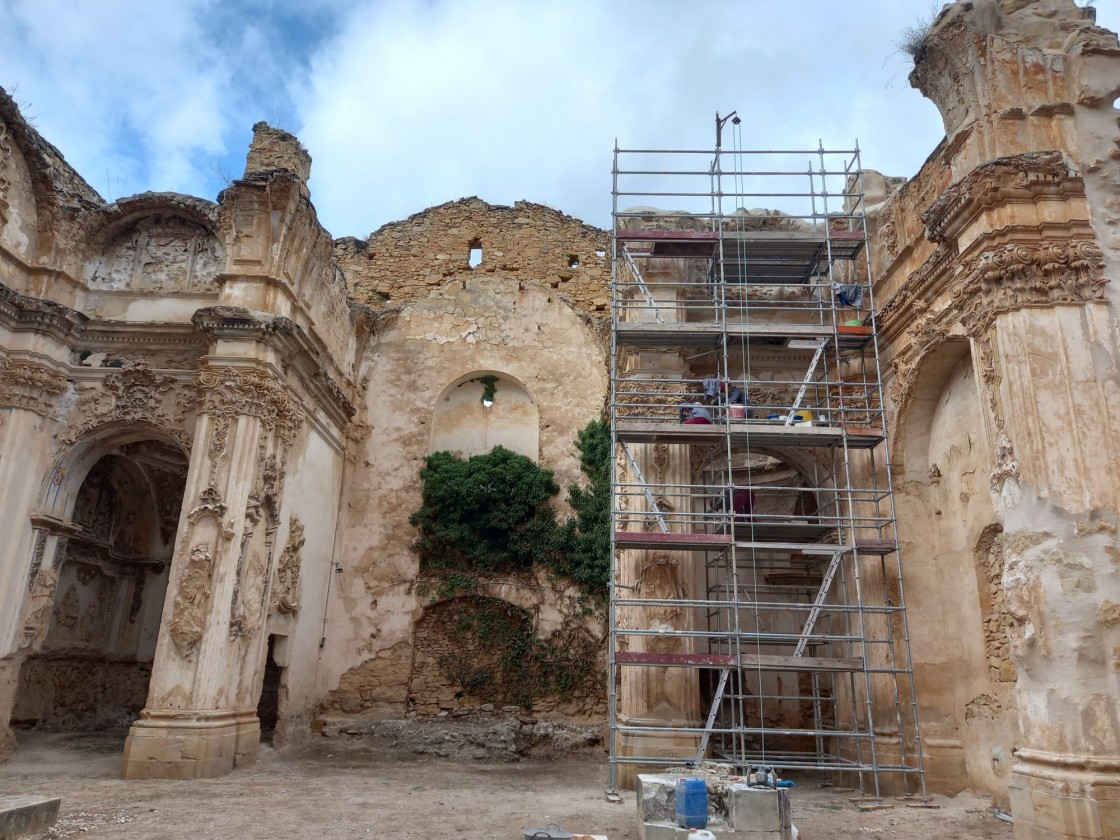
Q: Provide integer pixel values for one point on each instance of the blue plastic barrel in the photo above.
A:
(692, 803)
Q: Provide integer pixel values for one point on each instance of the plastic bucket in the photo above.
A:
(736, 412)
(692, 803)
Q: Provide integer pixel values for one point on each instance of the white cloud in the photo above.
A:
(408, 103)
(414, 104)
(113, 78)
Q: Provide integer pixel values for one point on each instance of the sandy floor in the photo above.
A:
(337, 790)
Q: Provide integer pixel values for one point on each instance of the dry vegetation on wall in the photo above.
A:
(485, 518)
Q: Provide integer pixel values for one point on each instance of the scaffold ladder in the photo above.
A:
(808, 379)
(717, 698)
(641, 283)
(654, 509)
(818, 602)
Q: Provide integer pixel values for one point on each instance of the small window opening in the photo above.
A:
(573, 261)
(475, 258)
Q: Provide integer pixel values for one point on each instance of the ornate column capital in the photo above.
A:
(232, 392)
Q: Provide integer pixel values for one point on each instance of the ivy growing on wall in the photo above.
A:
(505, 663)
(490, 514)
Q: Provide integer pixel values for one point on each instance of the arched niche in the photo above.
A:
(920, 404)
(18, 210)
(158, 252)
(482, 410)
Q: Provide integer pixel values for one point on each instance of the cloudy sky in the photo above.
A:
(408, 103)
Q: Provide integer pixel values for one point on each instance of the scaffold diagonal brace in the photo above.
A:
(645, 489)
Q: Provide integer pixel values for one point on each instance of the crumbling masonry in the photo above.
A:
(212, 416)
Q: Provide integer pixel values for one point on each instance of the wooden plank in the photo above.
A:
(799, 663)
(722, 660)
(654, 539)
(746, 660)
(880, 547)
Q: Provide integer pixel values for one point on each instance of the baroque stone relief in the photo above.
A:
(998, 280)
(32, 386)
(286, 589)
(192, 597)
(230, 393)
(161, 253)
(40, 601)
(133, 395)
(5, 178)
(1018, 276)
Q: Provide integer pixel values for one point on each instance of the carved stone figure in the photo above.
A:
(192, 597)
(286, 589)
(40, 601)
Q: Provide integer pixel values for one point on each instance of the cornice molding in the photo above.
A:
(291, 341)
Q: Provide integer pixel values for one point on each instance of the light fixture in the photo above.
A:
(487, 403)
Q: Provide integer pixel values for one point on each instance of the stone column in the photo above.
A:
(200, 719)
(658, 696)
(1057, 373)
(29, 392)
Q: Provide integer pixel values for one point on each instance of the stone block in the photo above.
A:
(759, 810)
(656, 796)
(22, 815)
(659, 831)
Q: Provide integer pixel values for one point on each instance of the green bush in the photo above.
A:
(489, 514)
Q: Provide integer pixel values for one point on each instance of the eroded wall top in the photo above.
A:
(402, 262)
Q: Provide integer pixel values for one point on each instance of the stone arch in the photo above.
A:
(158, 244)
(484, 409)
(19, 216)
(105, 533)
(918, 395)
(59, 488)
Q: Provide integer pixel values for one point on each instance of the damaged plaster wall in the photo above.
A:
(518, 328)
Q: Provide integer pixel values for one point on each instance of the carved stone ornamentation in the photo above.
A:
(230, 393)
(37, 557)
(209, 504)
(889, 237)
(5, 181)
(191, 599)
(1014, 277)
(650, 399)
(32, 386)
(1006, 464)
(286, 589)
(134, 394)
(137, 393)
(40, 601)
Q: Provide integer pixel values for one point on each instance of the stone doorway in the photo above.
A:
(92, 669)
(268, 706)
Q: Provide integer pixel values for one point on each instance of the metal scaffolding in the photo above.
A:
(757, 609)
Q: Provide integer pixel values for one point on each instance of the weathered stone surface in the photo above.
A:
(1003, 367)
(402, 262)
(23, 815)
(306, 379)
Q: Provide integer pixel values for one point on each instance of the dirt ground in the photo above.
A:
(337, 789)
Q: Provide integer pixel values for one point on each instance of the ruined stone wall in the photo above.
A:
(403, 262)
(487, 323)
(995, 262)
